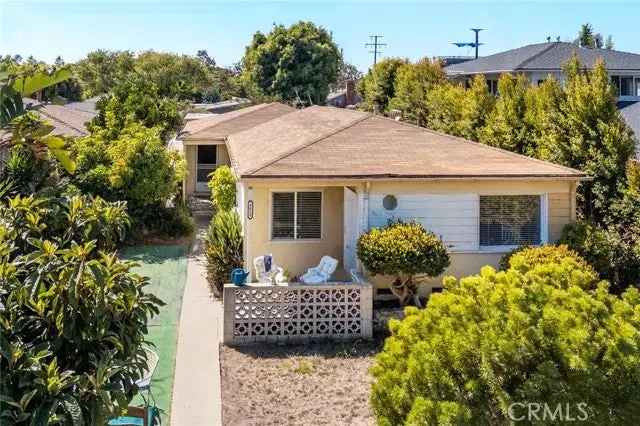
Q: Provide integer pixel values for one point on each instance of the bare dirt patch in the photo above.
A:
(315, 384)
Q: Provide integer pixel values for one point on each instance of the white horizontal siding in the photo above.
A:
(453, 217)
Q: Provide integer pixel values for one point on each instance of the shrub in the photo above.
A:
(498, 338)
(168, 222)
(223, 249)
(142, 170)
(403, 250)
(73, 318)
(616, 257)
(525, 258)
(138, 169)
(223, 188)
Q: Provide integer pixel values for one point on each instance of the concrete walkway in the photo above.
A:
(196, 387)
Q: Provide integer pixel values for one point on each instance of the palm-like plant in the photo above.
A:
(12, 88)
(223, 248)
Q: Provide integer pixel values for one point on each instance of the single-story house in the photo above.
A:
(202, 141)
(311, 181)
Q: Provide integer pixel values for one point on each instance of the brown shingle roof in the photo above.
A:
(220, 126)
(325, 142)
(66, 121)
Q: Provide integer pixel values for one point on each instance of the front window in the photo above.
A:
(509, 220)
(296, 215)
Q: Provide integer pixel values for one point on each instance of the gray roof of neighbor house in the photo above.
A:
(88, 105)
(66, 121)
(545, 57)
(326, 142)
(219, 126)
(630, 111)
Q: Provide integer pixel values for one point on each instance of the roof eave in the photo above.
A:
(421, 177)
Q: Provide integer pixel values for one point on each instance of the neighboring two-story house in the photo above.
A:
(538, 61)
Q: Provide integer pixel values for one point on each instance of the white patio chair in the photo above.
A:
(321, 273)
(274, 275)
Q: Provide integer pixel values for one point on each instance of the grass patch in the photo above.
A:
(166, 266)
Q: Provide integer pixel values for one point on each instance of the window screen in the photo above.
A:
(509, 220)
(283, 215)
(308, 214)
(296, 215)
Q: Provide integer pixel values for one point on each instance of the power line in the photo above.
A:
(376, 45)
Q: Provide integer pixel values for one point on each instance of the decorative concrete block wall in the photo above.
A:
(296, 312)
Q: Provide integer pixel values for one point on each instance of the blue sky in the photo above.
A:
(413, 29)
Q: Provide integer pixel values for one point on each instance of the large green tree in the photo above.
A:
(506, 126)
(412, 83)
(587, 37)
(378, 86)
(297, 63)
(589, 134)
(458, 111)
(543, 332)
(101, 70)
(175, 76)
(136, 100)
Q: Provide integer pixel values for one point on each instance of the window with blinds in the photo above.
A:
(510, 220)
(296, 215)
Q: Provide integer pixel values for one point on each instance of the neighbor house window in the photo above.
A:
(638, 86)
(509, 220)
(626, 86)
(296, 215)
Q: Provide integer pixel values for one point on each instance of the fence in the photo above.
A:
(296, 312)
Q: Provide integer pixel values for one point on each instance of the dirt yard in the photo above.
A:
(315, 384)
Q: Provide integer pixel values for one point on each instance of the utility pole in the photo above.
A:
(375, 44)
(476, 44)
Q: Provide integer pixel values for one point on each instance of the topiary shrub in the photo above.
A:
(223, 188)
(403, 250)
(500, 338)
(525, 258)
(223, 249)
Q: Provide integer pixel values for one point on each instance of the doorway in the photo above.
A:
(207, 162)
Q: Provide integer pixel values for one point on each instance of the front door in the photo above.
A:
(350, 229)
(207, 162)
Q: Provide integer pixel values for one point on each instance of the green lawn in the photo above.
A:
(166, 266)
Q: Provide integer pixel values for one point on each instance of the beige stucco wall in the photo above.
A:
(296, 256)
(191, 157)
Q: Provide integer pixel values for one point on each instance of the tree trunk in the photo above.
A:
(405, 291)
